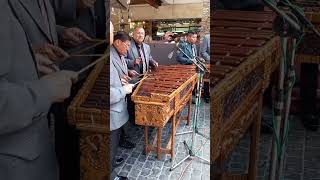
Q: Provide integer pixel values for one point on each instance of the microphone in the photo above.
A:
(282, 14)
(300, 15)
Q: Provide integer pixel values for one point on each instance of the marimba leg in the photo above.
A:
(159, 143)
(173, 135)
(146, 140)
(254, 143)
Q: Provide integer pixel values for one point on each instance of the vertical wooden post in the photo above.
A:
(173, 134)
(254, 142)
(146, 139)
(159, 143)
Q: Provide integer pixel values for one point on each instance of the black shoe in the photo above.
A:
(120, 178)
(125, 143)
(118, 162)
(310, 122)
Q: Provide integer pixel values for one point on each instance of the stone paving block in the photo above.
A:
(123, 174)
(134, 173)
(142, 178)
(142, 158)
(135, 154)
(175, 176)
(163, 177)
(145, 172)
(131, 160)
(140, 166)
(126, 168)
(158, 164)
(156, 172)
(148, 164)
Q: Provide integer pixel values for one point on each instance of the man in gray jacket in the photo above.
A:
(37, 18)
(139, 55)
(119, 88)
(26, 149)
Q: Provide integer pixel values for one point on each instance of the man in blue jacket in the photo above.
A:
(188, 49)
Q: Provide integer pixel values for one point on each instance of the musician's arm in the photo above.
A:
(182, 59)
(65, 10)
(152, 62)
(116, 94)
(130, 62)
(20, 102)
(204, 49)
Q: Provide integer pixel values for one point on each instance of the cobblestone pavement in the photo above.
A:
(302, 154)
(139, 166)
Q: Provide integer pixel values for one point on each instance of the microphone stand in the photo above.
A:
(307, 24)
(201, 70)
(287, 25)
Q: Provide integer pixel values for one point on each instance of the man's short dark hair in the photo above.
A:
(122, 36)
(191, 33)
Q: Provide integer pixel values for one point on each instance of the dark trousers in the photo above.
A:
(66, 144)
(124, 131)
(114, 143)
(308, 88)
(131, 109)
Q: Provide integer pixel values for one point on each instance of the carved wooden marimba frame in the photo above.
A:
(245, 53)
(89, 112)
(160, 96)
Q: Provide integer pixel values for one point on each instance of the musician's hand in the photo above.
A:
(50, 51)
(132, 73)
(154, 65)
(71, 37)
(45, 65)
(127, 78)
(124, 81)
(137, 61)
(128, 88)
(59, 85)
(82, 4)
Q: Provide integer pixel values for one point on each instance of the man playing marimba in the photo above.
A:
(119, 88)
(139, 55)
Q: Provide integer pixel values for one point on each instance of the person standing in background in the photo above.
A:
(205, 54)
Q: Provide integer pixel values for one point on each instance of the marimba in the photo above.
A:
(245, 52)
(161, 95)
(89, 112)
